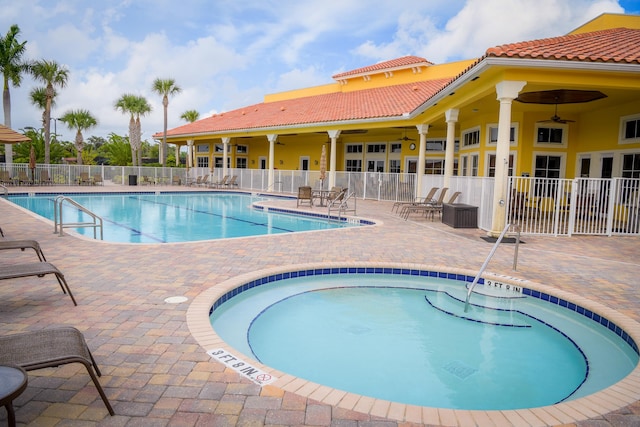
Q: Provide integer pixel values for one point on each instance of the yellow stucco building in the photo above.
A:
(561, 107)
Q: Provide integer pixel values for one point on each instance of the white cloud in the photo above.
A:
(481, 24)
(227, 54)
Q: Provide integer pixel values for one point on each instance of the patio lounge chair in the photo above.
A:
(36, 269)
(22, 245)
(175, 180)
(50, 348)
(23, 178)
(220, 183)
(84, 178)
(233, 182)
(97, 179)
(305, 195)
(5, 178)
(423, 208)
(45, 179)
(428, 199)
(437, 208)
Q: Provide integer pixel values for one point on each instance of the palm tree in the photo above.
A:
(52, 75)
(79, 120)
(12, 66)
(165, 88)
(38, 97)
(135, 106)
(190, 116)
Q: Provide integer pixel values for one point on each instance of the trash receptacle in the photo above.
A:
(133, 179)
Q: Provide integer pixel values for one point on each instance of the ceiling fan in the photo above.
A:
(406, 138)
(556, 119)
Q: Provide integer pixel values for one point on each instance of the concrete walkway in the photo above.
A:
(156, 374)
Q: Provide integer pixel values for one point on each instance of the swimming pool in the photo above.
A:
(545, 310)
(178, 217)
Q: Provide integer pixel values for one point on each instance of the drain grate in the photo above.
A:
(459, 369)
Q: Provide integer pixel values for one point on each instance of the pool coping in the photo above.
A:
(619, 395)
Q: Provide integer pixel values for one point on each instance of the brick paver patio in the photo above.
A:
(156, 374)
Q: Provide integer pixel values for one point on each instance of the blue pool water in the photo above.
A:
(175, 217)
(407, 339)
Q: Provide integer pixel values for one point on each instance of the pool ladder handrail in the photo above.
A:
(5, 190)
(58, 223)
(343, 206)
(486, 261)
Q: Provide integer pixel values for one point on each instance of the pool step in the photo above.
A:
(448, 304)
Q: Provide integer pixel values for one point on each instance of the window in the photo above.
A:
(218, 148)
(376, 148)
(242, 149)
(492, 165)
(202, 148)
(465, 165)
(375, 165)
(475, 161)
(471, 138)
(241, 162)
(396, 148)
(548, 166)
(436, 144)
(394, 166)
(354, 148)
(203, 162)
(434, 167)
(492, 134)
(547, 135)
(354, 165)
(631, 166)
(630, 129)
(440, 145)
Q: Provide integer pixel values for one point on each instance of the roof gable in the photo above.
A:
(404, 62)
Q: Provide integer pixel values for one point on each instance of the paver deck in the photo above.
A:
(156, 374)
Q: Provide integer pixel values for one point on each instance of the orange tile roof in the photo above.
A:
(614, 45)
(403, 62)
(618, 45)
(390, 101)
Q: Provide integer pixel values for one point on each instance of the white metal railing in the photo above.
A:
(59, 224)
(546, 206)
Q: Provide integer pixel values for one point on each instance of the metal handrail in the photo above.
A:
(59, 223)
(6, 190)
(343, 207)
(486, 261)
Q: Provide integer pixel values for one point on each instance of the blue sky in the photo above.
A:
(228, 53)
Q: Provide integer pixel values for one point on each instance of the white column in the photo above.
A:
(422, 131)
(333, 134)
(177, 155)
(225, 154)
(189, 153)
(451, 117)
(272, 143)
(507, 91)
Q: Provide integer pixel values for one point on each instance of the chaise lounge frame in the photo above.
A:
(50, 348)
